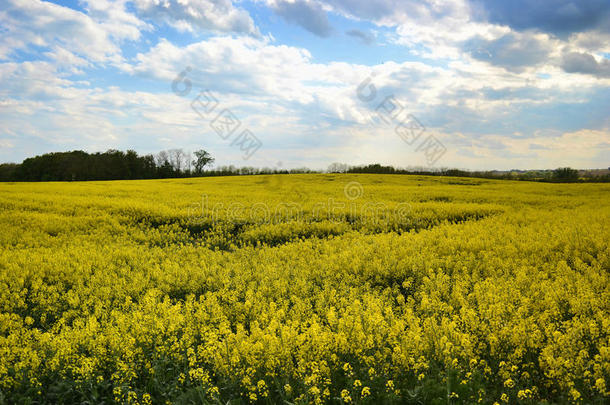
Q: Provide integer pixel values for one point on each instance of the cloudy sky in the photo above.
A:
(476, 84)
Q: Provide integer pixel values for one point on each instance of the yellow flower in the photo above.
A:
(600, 385)
(524, 394)
(345, 396)
(390, 385)
(261, 386)
(235, 301)
(575, 394)
(132, 397)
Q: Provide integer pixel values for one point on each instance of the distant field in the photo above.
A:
(305, 289)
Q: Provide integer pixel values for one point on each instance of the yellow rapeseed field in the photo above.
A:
(305, 289)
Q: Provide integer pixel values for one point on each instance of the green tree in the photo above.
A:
(565, 174)
(203, 158)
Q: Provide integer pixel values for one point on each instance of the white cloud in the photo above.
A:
(309, 14)
(113, 17)
(43, 24)
(326, 123)
(297, 106)
(192, 15)
(575, 62)
(6, 144)
(583, 148)
(257, 70)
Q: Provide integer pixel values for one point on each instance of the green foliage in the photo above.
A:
(110, 165)
(203, 158)
(565, 174)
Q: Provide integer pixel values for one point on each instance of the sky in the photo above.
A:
(471, 84)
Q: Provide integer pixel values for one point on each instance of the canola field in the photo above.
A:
(295, 289)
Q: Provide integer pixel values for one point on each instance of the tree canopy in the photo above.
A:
(110, 165)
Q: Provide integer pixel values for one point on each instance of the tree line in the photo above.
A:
(559, 175)
(118, 165)
(110, 165)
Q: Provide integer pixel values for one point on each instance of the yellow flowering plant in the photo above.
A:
(418, 290)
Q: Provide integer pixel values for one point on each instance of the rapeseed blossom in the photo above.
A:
(482, 292)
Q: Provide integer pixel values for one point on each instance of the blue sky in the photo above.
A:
(490, 84)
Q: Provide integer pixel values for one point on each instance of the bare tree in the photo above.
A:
(188, 161)
(162, 158)
(338, 168)
(178, 159)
